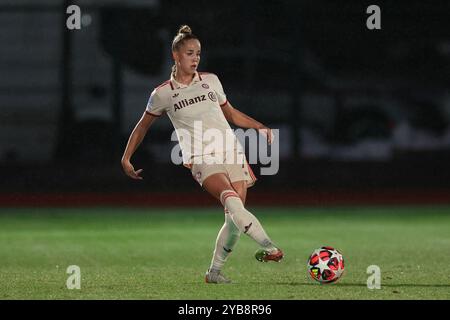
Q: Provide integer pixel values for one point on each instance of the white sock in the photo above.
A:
(226, 240)
(244, 220)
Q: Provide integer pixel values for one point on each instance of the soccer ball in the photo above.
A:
(326, 265)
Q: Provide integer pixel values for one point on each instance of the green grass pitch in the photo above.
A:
(128, 253)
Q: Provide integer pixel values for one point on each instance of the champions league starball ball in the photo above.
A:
(326, 265)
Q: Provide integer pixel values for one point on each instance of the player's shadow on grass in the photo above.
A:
(365, 285)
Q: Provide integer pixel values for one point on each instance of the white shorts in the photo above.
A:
(236, 170)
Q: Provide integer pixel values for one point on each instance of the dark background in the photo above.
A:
(363, 114)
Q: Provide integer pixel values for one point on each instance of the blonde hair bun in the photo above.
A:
(185, 29)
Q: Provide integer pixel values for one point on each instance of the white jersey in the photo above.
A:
(195, 112)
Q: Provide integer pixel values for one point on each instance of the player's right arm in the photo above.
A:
(157, 104)
(136, 137)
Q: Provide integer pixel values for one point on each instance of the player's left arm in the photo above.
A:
(242, 120)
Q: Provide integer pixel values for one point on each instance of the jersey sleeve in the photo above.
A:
(221, 96)
(156, 104)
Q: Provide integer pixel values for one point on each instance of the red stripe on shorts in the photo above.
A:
(251, 171)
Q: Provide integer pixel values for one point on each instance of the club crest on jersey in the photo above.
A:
(212, 96)
(205, 86)
(187, 102)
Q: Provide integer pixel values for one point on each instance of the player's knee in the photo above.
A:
(241, 190)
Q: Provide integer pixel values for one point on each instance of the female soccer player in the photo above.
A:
(196, 102)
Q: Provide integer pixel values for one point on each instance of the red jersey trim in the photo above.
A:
(163, 84)
(152, 114)
(223, 104)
